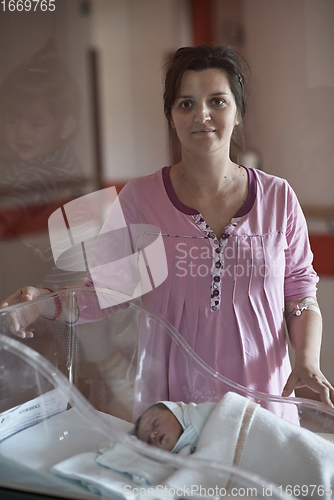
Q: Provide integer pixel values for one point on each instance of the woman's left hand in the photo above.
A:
(305, 333)
(312, 377)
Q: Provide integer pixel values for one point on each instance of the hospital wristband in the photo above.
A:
(306, 304)
(298, 309)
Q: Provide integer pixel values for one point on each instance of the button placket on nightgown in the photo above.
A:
(217, 264)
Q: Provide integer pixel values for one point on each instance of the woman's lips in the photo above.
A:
(204, 131)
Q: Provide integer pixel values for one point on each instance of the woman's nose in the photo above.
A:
(202, 114)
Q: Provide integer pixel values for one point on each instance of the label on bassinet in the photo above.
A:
(31, 413)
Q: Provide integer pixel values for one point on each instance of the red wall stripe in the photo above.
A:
(323, 250)
(202, 22)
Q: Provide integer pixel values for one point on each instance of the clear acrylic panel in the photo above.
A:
(78, 386)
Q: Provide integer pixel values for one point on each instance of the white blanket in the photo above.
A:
(115, 470)
(98, 480)
(238, 433)
(143, 471)
(241, 433)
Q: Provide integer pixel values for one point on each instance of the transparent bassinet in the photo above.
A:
(74, 388)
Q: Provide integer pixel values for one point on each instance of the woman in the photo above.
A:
(236, 244)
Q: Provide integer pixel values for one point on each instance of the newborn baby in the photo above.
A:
(240, 432)
(173, 426)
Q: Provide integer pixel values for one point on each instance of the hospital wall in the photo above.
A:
(289, 126)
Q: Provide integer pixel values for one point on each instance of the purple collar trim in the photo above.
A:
(246, 207)
(172, 195)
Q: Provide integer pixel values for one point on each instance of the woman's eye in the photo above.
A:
(186, 104)
(218, 101)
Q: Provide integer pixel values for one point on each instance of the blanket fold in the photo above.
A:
(121, 458)
(241, 433)
(98, 480)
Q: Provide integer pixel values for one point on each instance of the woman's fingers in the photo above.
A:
(318, 383)
(4, 304)
(326, 392)
(29, 293)
(291, 385)
(23, 334)
(19, 319)
(22, 295)
(17, 327)
(315, 380)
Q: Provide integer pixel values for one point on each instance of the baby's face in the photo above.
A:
(34, 132)
(160, 428)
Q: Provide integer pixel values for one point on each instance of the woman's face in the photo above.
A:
(205, 113)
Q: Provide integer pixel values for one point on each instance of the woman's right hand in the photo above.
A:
(19, 319)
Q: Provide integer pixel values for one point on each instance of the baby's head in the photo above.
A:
(159, 427)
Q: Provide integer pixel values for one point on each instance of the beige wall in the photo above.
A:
(290, 121)
(133, 39)
(290, 48)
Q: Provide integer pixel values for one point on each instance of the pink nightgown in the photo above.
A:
(225, 296)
